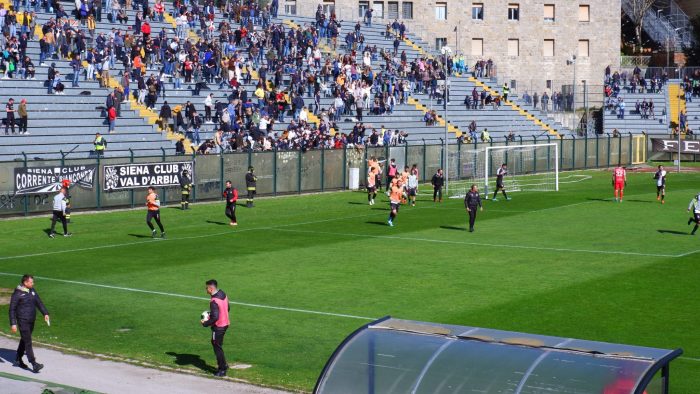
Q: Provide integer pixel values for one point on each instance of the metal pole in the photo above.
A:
(447, 126)
(573, 109)
(680, 89)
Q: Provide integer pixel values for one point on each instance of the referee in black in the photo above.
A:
(472, 201)
(23, 304)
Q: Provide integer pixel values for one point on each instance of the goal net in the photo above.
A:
(530, 168)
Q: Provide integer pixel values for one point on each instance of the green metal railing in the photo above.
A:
(293, 172)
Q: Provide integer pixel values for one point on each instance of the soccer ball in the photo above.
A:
(205, 315)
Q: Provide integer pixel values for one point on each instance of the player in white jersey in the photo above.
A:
(412, 188)
(660, 177)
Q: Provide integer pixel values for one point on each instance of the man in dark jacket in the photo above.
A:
(218, 321)
(23, 304)
(472, 201)
(165, 115)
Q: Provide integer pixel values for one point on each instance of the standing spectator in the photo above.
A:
(22, 112)
(208, 105)
(10, 116)
(111, 118)
(165, 115)
(23, 305)
(100, 144)
(76, 65)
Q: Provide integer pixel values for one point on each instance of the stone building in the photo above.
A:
(530, 41)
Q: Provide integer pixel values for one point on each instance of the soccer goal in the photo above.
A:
(533, 167)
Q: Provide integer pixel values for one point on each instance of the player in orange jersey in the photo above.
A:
(153, 207)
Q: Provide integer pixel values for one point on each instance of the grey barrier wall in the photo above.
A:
(288, 172)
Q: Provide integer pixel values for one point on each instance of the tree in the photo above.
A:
(639, 9)
(692, 53)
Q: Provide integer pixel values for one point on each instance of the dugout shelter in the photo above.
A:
(401, 356)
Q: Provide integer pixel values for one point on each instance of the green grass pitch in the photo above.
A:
(569, 263)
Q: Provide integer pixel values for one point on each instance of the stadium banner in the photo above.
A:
(30, 180)
(142, 175)
(671, 146)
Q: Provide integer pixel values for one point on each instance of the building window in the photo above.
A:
(393, 10)
(513, 12)
(549, 84)
(328, 7)
(364, 6)
(584, 13)
(440, 42)
(477, 47)
(549, 12)
(378, 7)
(441, 11)
(407, 10)
(290, 7)
(584, 47)
(548, 48)
(513, 47)
(478, 11)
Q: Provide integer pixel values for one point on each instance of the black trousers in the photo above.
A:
(22, 124)
(151, 215)
(10, 122)
(217, 342)
(251, 195)
(58, 215)
(231, 212)
(437, 193)
(25, 343)
(472, 216)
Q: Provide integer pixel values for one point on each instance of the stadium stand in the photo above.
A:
(634, 94)
(65, 123)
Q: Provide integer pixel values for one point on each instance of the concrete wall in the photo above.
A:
(530, 68)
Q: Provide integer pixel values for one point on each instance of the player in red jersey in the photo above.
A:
(619, 181)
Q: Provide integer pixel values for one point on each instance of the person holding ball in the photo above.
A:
(218, 321)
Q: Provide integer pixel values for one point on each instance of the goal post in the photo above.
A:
(531, 167)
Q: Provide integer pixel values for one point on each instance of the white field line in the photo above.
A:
(232, 232)
(161, 293)
(443, 241)
(690, 358)
(108, 246)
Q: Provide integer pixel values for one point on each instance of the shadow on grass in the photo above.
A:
(378, 223)
(47, 231)
(454, 228)
(140, 236)
(215, 222)
(600, 199)
(675, 232)
(641, 201)
(193, 360)
(357, 203)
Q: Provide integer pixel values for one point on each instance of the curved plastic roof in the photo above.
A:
(401, 356)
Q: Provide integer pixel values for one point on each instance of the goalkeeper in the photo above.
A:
(502, 172)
